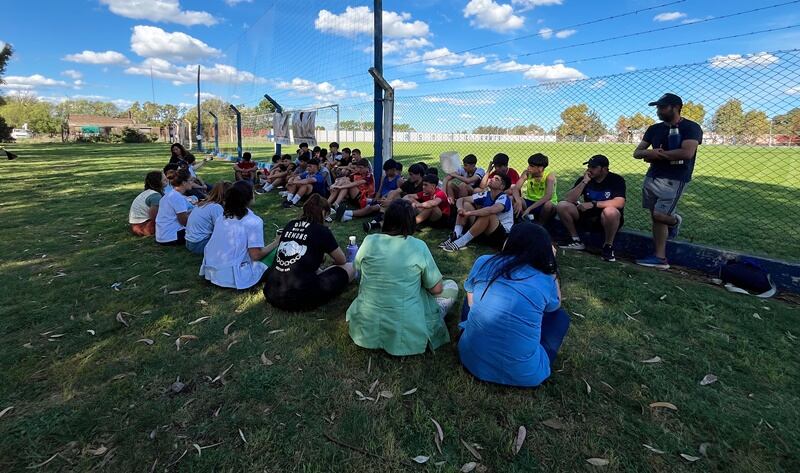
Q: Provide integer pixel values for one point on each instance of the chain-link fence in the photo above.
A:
(745, 191)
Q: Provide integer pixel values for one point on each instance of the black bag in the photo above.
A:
(748, 277)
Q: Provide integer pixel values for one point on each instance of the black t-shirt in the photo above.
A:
(657, 135)
(409, 187)
(612, 186)
(301, 251)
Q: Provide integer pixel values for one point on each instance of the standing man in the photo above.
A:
(674, 144)
(603, 196)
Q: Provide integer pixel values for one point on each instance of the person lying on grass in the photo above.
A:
(411, 185)
(295, 282)
(465, 180)
(201, 221)
(402, 299)
(311, 181)
(389, 182)
(142, 216)
(173, 211)
(232, 257)
(278, 175)
(536, 193)
(489, 215)
(245, 169)
(431, 204)
(359, 185)
(512, 320)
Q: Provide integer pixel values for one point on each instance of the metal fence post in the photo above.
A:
(278, 109)
(238, 131)
(216, 133)
(377, 19)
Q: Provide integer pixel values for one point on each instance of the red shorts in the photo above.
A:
(146, 228)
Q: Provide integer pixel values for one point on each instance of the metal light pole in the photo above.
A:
(238, 131)
(278, 109)
(199, 120)
(377, 20)
(216, 133)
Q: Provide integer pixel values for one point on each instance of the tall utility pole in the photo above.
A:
(377, 19)
(199, 119)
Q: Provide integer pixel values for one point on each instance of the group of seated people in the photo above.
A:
(511, 324)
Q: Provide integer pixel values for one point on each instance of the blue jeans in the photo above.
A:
(197, 247)
(554, 328)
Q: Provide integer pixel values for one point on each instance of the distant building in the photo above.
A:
(77, 126)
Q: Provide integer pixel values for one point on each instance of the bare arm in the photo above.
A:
(575, 193)
(548, 193)
(616, 203)
(183, 217)
(257, 254)
(641, 151)
(494, 209)
(338, 257)
(437, 289)
(686, 151)
(429, 204)
(152, 212)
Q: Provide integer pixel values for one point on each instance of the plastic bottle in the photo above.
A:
(674, 141)
(352, 249)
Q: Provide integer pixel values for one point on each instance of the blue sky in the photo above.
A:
(305, 52)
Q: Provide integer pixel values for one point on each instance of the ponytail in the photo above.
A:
(315, 208)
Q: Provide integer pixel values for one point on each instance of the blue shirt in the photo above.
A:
(389, 185)
(321, 186)
(502, 335)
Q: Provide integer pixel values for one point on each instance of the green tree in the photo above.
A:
(788, 124)
(403, 127)
(728, 120)
(85, 107)
(756, 126)
(264, 107)
(38, 115)
(695, 112)
(355, 125)
(635, 124)
(5, 55)
(578, 121)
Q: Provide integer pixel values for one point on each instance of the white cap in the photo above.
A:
(352, 240)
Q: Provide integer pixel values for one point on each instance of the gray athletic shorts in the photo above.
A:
(661, 195)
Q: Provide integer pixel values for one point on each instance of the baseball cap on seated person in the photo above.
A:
(667, 99)
(598, 160)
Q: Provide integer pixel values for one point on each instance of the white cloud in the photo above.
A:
(72, 74)
(526, 5)
(669, 16)
(97, 57)
(401, 45)
(205, 95)
(151, 41)
(793, 90)
(731, 61)
(558, 61)
(78, 84)
(598, 84)
(466, 116)
(322, 91)
(164, 11)
(403, 85)
(508, 66)
(179, 75)
(565, 34)
(630, 68)
(546, 33)
(30, 82)
(445, 57)
(440, 74)
(458, 102)
(491, 15)
(358, 21)
(695, 20)
(233, 3)
(538, 72)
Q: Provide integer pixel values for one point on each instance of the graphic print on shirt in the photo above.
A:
(290, 252)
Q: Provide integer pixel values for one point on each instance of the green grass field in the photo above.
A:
(742, 198)
(80, 391)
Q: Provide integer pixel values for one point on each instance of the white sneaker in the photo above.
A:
(283, 193)
(450, 247)
(575, 245)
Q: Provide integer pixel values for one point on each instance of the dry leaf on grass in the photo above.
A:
(421, 459)
(264, 360)
(121, 319)
(662, 297)
(588, 388)
(271, 332)
(146, 341)
(597, 461)
(439, 431)
(28, 345)
(99, 451)
(689, 458)
(231, 344)
(201, 319)
(241, 434)
(472, 450)
(227, 327)
(221, 375)
(708, 379)
(179, 291)
(385, 394)
(521, 434)
(579, 315)
(652, 449)
(665, 405)
(554, 424)
(468, 467)
(146, 312)
(39, 465)
(183, 339)
(410, 392)
(756, 316)
(5, 411)
(703, 449)
(373, 386)
(91, 332)
(655, 359)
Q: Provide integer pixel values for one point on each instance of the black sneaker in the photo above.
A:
(369, 226)
(453, 237)
(340, 210)
(286, 204)
(608, 253)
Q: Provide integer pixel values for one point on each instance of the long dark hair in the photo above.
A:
(154, 181)
(180, 147)
(315, 208)
(399, 219)
(528, 244)
(237, 200)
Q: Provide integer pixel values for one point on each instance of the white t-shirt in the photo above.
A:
(140, 208)
(201, 221)
(506, 216)
(167, 224)
(478, 172)
(226, 261)
(191, 170)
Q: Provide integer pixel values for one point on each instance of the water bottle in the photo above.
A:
(674, 141)
(352, 249)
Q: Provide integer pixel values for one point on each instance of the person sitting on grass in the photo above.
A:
(294, 282)
(307, 183)
(232, 257)
(359, 185)
(201, 221)
(302, 164)
(431, 204)
(323, 167)
(142, 216)
(278, 175)
(512, 320)
(170, 170)
(410, 186)
(488, 215)
(345, 159)
(178, 154)
(536, 194)
(173, 211)
(402, 299)
(464, 181)
(334, 155)
(602, 209)
(245, 169)
(263, 174)
(199, 188)
(389, 182)
(499, 165)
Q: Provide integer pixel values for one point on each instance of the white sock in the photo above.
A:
(459, 230)
(576, 239)
(268, 187)
(295, 199)
(347, 216)
(464, 239)
(289, 197)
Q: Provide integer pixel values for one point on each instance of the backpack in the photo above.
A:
(747, 277)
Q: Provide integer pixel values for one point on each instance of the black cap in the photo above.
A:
(667, 99)
(598, 160)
